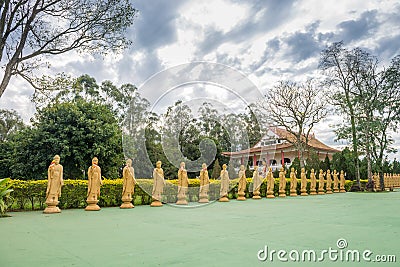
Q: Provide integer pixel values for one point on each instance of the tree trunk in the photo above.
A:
(356, 185)
(301, 159)
(370, 184)
(380, 166)
(6, 77)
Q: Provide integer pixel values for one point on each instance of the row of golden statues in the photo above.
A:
(389, 180)
(55, 182)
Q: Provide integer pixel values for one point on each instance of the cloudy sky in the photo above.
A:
(265, 40)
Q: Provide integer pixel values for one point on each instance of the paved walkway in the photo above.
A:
(219, 234)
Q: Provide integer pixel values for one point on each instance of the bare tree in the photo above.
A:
(32, 29)
(297, 107)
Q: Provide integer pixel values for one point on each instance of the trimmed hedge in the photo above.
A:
(32, 194)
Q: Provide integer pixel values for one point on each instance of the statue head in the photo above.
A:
(303, 170)
(129, 162)
(255, 167)
(264, 163)
(56, 159)
(312, 170)
(341, 172)
(334, 171)
(158, 164)
(242, 167)
(292, 169)
(270, 169)
(224, 167)
(182, 165)
(204, 166)
(95, 161)
(282, 169)
(321, 171)
(328, 171)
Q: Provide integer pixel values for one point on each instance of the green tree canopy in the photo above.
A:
(345, 160)
(77, 132)
(10, 122)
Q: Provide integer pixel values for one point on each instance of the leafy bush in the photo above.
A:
(4, 196)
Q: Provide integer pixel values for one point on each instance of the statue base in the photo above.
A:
(203, 200)
(342, 191)
(223, 199)
(335, 190)
(270, 194)
(156, 203)
(181, 201)
(321, 193)
(92, 207)
(303, 193)
(293, 193)
(329, 191)
(241, 197)
(256, 197)
(51, 209)
(313, 192)
(127, 205)
(282, 193)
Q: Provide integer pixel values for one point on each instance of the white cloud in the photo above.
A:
(266, 40)
(220, 15)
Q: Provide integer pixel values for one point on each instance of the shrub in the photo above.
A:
(4, 196)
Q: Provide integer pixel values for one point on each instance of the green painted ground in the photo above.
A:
(219, 234)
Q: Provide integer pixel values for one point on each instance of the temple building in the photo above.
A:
(275, 149)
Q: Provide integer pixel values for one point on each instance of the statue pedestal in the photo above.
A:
(203, 198)
(52, 207)
(303, 192)
(181, 200)
(92, 205)
(335, 190)
(293, 193)
(282, 193)
(156, 203)
(313, 192)
(342, 191)
(270, 194)
(329, 191)
(223, 199)
(127, 204)
(241, 196)
(256, 195)
(321, 192)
